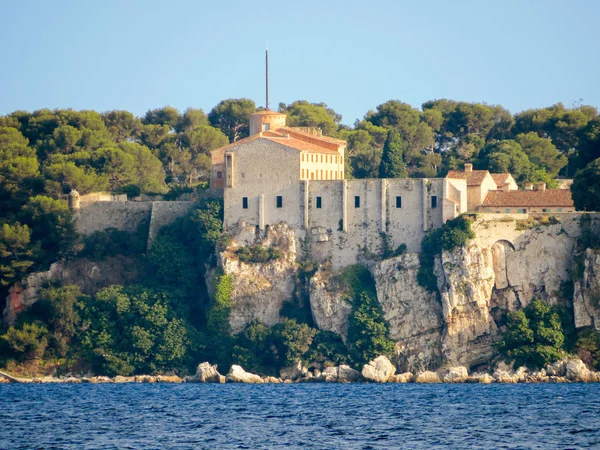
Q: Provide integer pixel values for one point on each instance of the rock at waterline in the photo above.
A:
(238, 375)
(380, 370)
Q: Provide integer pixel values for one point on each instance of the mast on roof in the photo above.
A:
(267, 74)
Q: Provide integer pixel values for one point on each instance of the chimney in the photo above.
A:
(468, 167)
(540, 186)
(505, 187)
(529, 186)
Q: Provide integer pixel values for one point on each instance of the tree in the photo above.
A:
(505, 156)
(392, 165)
(147, 171)
(16, 255)
(589, 142)
(232, 117)
(534, 336)
(304, 114)
(122, 125)
(542, 152)
(191, 118)
(166, 116)
(586, 187)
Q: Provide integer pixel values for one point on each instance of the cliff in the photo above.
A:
(511, 261)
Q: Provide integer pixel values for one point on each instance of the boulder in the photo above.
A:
(100, 379)
(379, 370)
(72, 380)
(205, 373)
(293, 372)
(557, 369)
(4, 380)
(238, 375)
(168, 379)
(144, 379)
(121, 379)
(405, 377)
(538, 376)
(347, 374)
(274, 380)
(458, 374)
(428, 377)
(484, 378)
(330, 374)
(578, 371)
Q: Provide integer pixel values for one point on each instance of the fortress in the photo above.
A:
(296, 175)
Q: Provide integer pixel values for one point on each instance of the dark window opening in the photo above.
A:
(219, 174)
(279, 201)
(398, 202)
(357, 201)
(434, 201)
(245, 202)
(319, 202)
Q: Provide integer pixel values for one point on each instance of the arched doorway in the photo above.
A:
(500, 251)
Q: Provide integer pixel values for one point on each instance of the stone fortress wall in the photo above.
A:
(127, 216)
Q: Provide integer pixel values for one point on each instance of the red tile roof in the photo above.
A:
(549, 197)
(474, 178)
(500, 178)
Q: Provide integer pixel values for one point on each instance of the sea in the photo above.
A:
(307, 416)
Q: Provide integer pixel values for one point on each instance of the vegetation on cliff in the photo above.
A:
(453, 234)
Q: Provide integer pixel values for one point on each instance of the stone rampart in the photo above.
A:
(164, 213)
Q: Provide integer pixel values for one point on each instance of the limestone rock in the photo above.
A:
(329, 374)
(4, 380)
(347, 374)
(484, 378)
(578, 371)
(405, 377)
(145, 379)
(586, 296)
(259, 289)
(428, 377)
(238, 375)
(122, 379)
(293, 372)
(379, 370)
(274, 380)
(558, 369)
(168, 379)
(328, 303)
(205, 373)
(100, 379)
(413, 313)
(458, 374)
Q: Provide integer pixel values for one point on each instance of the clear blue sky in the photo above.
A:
(352, 55)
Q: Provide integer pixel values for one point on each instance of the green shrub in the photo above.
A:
(257, 254)
(28, 341)
(327, 349)
(588, 348)
(534, 336)
(112, 242)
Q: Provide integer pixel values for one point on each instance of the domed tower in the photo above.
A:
(266, 120)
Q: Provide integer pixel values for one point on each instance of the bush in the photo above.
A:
(257, 254)
(27, 342)
(112, 242)
(588, 348)
(327, 350)
(534, 337)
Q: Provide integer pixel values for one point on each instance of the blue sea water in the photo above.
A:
(324, 416)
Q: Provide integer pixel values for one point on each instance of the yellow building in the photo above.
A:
(319, 157)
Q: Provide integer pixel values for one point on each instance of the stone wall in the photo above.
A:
(164, 213)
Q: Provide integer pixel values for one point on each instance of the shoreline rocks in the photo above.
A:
(380, 370)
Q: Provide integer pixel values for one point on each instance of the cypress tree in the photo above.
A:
(392, 165)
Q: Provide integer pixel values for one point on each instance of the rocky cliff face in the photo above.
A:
(414, 315)
(510, 263)
(586, 297)
(259, 289)
(90, 276)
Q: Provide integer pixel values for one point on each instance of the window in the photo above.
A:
(245, 202)
(302, 173)
(488, 210)
(341, 160)
(321, 158)
(311, 158)
(357, 201)
(279, 201)
(321, 174)
(312, 175)
(559, 209)
(331, 174)
(545, 210)
(265, 126)
(398, 202)
(319, 203)
(507, 210)
(434, 201)
(219, 174)
(522, 211)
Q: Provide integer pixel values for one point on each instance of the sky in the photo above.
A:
(352, 55)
